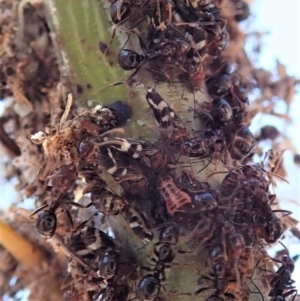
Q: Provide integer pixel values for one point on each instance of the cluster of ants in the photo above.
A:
(156, 201)
(227, 223)
(181, 33)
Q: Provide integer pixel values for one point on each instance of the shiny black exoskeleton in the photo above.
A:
(46, 223)
(108, 265)
(242, 10)
(148, 288)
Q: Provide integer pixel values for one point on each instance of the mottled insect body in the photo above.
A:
(165, 116)
(138, 224)
(89, 240)
(136, 149)
(108, 203)
(173, 197)
(116, 164)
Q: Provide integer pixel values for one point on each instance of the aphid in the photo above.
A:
(124, 9)
(246, 263)
(194, 75)
(174, 198)
(159, 160)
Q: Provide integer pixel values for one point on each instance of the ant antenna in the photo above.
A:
(284, 246)
(258, 290)
(205, 165)
(127, 81)
(114, 32)
(215, 173)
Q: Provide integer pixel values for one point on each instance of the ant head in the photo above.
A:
(46, 223)
(129, 59)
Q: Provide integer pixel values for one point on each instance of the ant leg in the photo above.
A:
(80, 226)
(69, 217)
(258, 291)
(197, 271)
(286, 213)
(79, 205)
(159, 73)
(293, 291)
(114, 33)
(58, 242)
(127, 81)
(97, 258)
(142, 44)
(205, 165)
(38, 210)
(199, 291)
